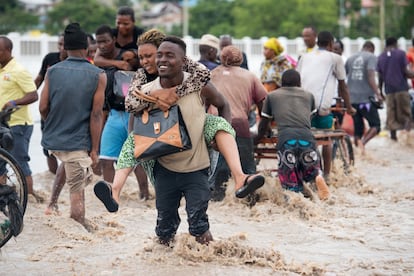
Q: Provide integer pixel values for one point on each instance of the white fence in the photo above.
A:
(30, 50)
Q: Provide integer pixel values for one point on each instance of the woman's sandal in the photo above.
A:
(251, 184)
(103, 191)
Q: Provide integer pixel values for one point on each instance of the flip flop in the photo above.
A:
(251, 184)
(103, 191)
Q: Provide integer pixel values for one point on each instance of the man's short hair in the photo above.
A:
(75, 38)
(91, 39)
(324, 38)
(312, 28)
(291, 78)
(341, 44)
(7, 42)
(125, 10)
(391, 41)
(225, 40)
(226, 36)
(104, 29)
(368, 44)
(176, 40)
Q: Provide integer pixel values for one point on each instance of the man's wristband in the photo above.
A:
(13, 103)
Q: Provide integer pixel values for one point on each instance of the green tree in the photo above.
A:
(13, 17)
(364, 26)
(398, 20)
(407, 21)
(90, 14)
(211, 16)
(287, 17)
(394, 14)
(257, 18)
(120, 3)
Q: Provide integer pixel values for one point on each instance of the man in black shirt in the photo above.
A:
(49, 60)
(126, 34)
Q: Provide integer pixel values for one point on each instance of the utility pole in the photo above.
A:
(185, 18)
(382, 23)
(341, 18)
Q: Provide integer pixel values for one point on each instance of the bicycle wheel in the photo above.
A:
(12, 176)
(343, 151)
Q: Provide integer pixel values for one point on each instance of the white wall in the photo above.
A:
(30, 50)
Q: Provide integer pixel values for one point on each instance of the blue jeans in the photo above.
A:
(246, 151)
(20, 150)
(222, 173)
(170, 187)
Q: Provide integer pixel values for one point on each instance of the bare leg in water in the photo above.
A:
(77, 206)
(108, 170)
(327, 159)
(142, 180)
(371, 133)
(58, 184)
(52, 164)
(30, 191)
(109, 174)
(120, 178)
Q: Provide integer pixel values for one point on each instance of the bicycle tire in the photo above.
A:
(342, 150)
(16, 179)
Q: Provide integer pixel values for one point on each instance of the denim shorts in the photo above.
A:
(114, 134)
(20, 151)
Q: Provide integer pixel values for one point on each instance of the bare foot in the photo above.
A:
(322, 188)
(250, 184)
(52, 210)
(361, 146)
(115, 193)
(90, 226)
(239, 181)
(144, 196)
(39, 198)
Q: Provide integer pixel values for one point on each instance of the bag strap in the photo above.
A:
(325, 83)
(155, 100)
(151, 99)
(145, 97)
(145, 115)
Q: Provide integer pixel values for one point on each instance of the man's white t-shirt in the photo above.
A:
(319, 71)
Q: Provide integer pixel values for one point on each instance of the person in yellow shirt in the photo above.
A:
(17, 88)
